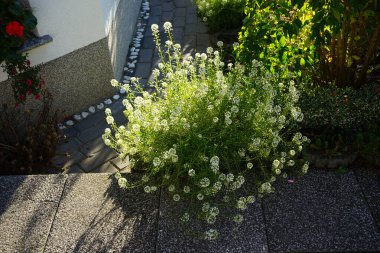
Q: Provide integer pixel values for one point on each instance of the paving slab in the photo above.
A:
(180, 11)
(92, 133)
(93, 147)
(95, 215)
(146, 55)
(322, 211)
(143, 70)
(90, 163)
(27, 208)
(68, 159)
(173, 236)
(369, 181)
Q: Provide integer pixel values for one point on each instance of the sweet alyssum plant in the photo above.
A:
(207, 131)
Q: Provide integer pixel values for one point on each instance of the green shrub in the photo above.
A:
(221, 14)
(204, 133)
(276, 32)
(342, 119)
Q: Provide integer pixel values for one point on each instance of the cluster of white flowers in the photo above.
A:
(204, 133)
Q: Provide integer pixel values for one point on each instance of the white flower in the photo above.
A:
(241, 152)
(230, 177)
(238, 218)
(186, 189)
(305, 168)
(176, 197)
(205, 207)
(147, 189)
(219, 43)
(169, 43)
(156, 162)
(122, 182)
(191, 172)
(211, 234)
(154, 28)
(205, 182)
(167, 26)
(110, 120)
(185, 217)
(107, 131)
(161, 65)
(234, 109)
(215, 119)
(156, 73)
(276, 163)
(249, 166)
(291, 163)
(200, 196)
(108, 111)
(250, 199)
(211, 219)
(114, 83)
(171, 188)
(214, 211)
(204, 56)
(209, 50)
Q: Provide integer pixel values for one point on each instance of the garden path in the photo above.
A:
(83, 149)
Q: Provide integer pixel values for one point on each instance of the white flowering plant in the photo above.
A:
(207, 130)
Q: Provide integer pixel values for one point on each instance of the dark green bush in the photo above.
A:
(221, 14)
(28, 138)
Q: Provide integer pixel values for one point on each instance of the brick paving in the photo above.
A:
(83, 149)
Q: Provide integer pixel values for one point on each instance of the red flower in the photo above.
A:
(29, 82)
(14, 28)
(21, 97)
(38, 97)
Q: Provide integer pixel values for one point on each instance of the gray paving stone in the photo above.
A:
(35, 188)
(322, 211)
(203, 39)
(93, 147)
(120, 118)
(67, 146)
(167, 16)
(121, 164)
(92, 133)
(369, 181)
(148, 42)
(168, 6)
(172, 235)
(90, 163)
(146, 55)
(179, 22)
(69, 133)
(182, 3)
(90, 121)
(191, 19)
(96, 216)
(107, 167)
(191, 29)
(116, 106)
(156, 11)
(73, 169)
(179, 12)
(143, 70)
(27, 208)
(66, 160)
(153, 20)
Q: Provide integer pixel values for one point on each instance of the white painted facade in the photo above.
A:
(72, 24)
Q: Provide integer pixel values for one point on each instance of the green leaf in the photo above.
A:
(302, 62)
(261, 56)
(282, 41)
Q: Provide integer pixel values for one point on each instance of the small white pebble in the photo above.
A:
(133, 57)
(84, 114)
(100, 106)
(116, 96)
(91, 109)
(77, 117)
(122, 91)
(108, 101)
(70, 123)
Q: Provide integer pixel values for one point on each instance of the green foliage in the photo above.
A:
(345, 108)
(28, 139)
(342, 119)
(221, 14)
(346, 35)
(276, 32)
(204, 133)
